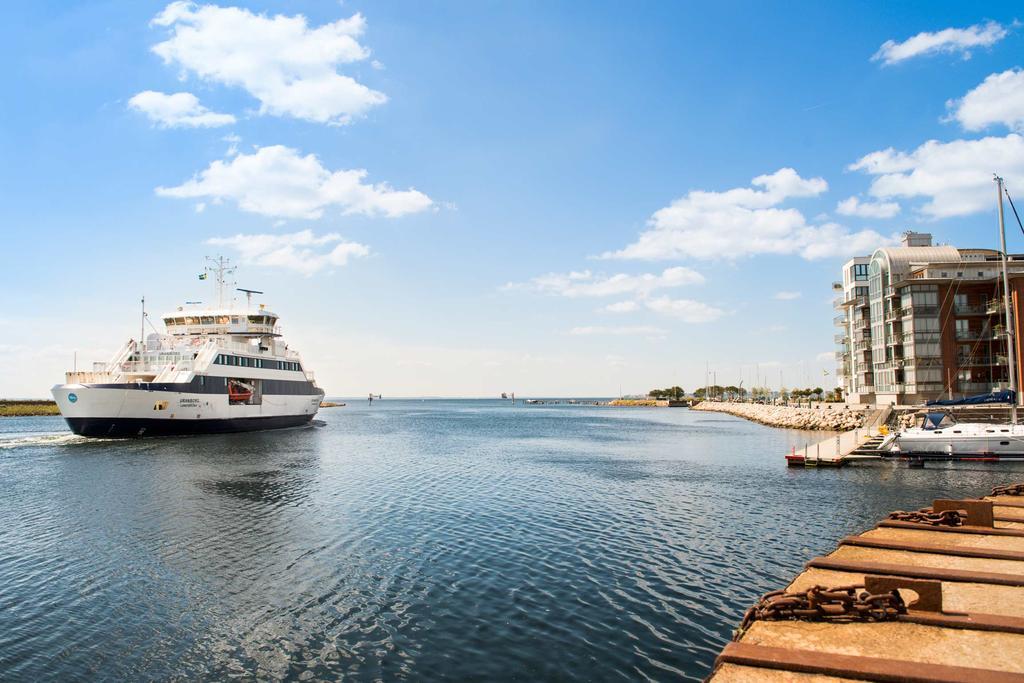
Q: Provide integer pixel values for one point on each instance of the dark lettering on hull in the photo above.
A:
(116, 427)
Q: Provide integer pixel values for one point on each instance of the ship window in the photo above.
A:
(1004, 443)
(192, 320)
(234, 320)
(222, 320)
(179, 321)
(206, 320)
(1004, 430)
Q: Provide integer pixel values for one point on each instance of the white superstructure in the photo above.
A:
(221, 369)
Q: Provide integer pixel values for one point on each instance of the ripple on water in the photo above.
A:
(415, 540)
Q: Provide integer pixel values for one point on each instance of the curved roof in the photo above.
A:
(901, 258)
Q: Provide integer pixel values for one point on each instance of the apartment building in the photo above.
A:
(920, 321)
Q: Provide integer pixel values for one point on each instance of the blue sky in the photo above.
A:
(558, 198)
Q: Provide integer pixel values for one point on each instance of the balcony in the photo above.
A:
(840, 339)
(840, 320)
(922, 310)
(838, 302)
(969, 335)
(970, 309)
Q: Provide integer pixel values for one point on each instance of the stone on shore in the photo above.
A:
(839, 419)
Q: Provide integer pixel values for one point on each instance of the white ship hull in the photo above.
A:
(963, 440)
(154, 410)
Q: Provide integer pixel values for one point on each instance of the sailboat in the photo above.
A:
(937, 434)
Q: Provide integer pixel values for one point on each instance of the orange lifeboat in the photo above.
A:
(238, 392)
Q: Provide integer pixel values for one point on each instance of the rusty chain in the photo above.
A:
(930, 517)
(1008, 490)
(843, 604)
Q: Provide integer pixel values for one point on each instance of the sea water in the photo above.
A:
(420, 540)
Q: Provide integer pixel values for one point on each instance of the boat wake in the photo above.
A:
(59, 439)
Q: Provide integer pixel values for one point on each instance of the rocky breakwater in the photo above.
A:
(838, 419)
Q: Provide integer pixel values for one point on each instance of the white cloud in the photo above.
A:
(634, 331)
(955, 177)
(947, 40)
(180, 110)
(277, 181)
(999, 99)
(833, 240)
(584, 283)
(291, 68)
(302, 251)
(825, 356)
(741, 222)
(787, 296)
(621, 307)
(855, 207)
(687, 310)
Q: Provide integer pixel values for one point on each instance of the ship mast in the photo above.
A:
(1010, 344)
(220, 267)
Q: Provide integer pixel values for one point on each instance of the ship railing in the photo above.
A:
(87, 377)
(143, 367)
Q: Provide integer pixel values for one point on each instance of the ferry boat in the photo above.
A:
(216, 370)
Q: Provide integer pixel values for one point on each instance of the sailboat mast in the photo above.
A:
(1011, 351)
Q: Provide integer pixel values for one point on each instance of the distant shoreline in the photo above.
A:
(27, 408)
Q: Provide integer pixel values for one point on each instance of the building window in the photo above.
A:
(860, 272)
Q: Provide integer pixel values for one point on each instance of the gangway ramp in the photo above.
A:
(862, 443)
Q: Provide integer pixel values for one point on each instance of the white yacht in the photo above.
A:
(939, 435)
(216, 370)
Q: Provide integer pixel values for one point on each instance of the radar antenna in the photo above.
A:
(220, 267)
(248, 295)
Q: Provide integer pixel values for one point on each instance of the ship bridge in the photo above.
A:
(222, 321)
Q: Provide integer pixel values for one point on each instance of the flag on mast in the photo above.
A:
(202, 276)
